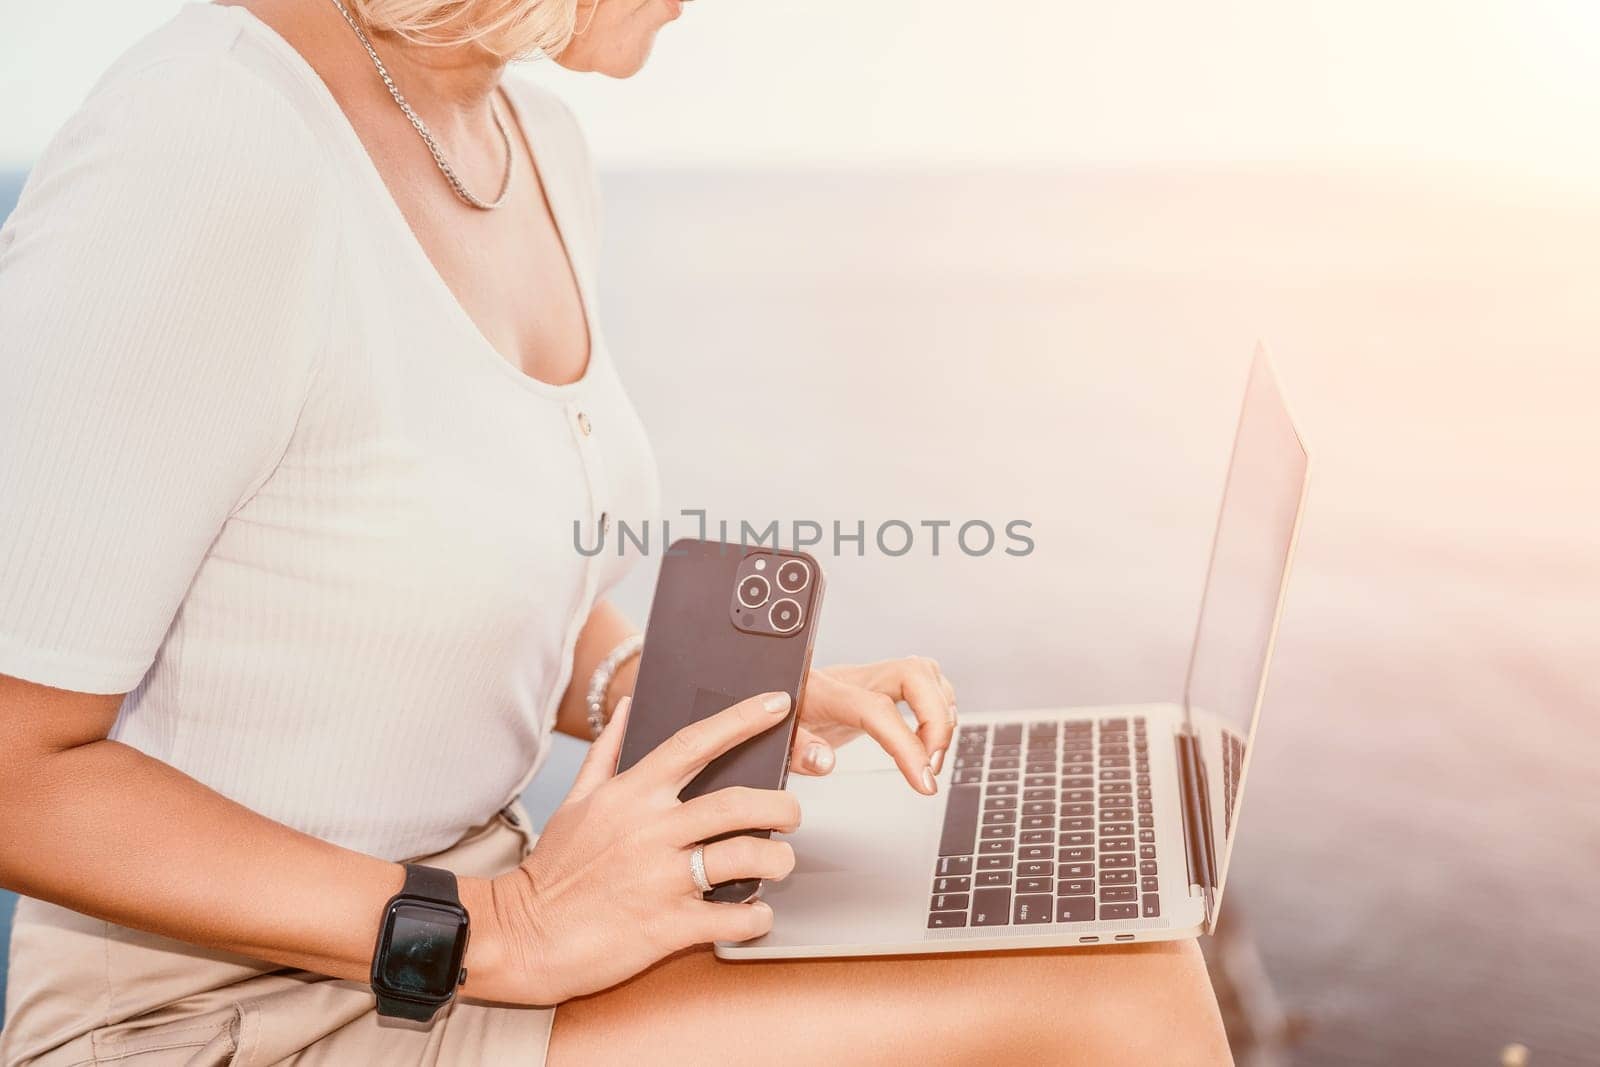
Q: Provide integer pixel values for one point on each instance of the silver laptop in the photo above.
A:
(1067, 826)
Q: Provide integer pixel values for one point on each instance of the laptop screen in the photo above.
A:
(1239, 609)
(1250, 555)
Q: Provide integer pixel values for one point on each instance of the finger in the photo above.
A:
(879, 716)
(920, 688)
(737, 858)
(683, 755)
(729, 810)
(729, 922)
(601, 761)
(811, 754)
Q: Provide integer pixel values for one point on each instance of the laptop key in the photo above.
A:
(1036, 822)
(1002, 776)
(1107, 862)
(1038, 794)
(1073, 840)
(941, 920)
(1008, 734)
(960, 821)
(1033, 885)
(1119, 911)
(1033, 909)
(999, 803)
(950, 902)
(967, 777)
(1147, 852)
(1039, 807)
(1075, 887)
(957, 865)
(1116, 877)
(1077, 783)
(990, 818)
(996, 863)
(952, 885)
(1074, 909)
(990, 848)
(1115, 844)
(991, 878)
(1076, 855)
(1077, 823)
(1036, 852)
(1035, 869)
(1040, 781)
(991, 832)
(1147, 866)
(1000, 789)
(1149, 885)
(1034, 837)
(1076, 870)
(1116, 829)
(1118, 894)
(1077, 809)
(991, 907)
(1152, 906)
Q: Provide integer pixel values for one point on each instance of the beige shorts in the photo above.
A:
(84, 991)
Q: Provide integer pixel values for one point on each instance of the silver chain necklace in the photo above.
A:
(427, 137)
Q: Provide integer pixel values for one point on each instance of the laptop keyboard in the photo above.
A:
(1047, 822)
(1232, 764)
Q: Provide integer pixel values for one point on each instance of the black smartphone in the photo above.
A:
(728, 622)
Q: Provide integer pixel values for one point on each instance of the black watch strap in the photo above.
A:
(430, 884)
(393, 1008)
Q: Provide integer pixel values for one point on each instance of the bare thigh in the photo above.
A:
(1144, 1004)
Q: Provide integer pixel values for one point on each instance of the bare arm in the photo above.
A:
(103, 829)
(604, 630)
(99, 827)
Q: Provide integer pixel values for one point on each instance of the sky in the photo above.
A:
(1510, 84)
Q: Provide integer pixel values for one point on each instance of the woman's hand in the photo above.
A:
(607, 891)
(842, 702)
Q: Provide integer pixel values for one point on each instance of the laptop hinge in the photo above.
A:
(1196, 816)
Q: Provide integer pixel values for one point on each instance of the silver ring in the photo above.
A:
(697, 869)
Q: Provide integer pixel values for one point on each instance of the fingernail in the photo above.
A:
(819, 756)
(928, 782)
(775, 703)
(937, 763)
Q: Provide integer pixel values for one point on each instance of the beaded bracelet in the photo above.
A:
(600, 680)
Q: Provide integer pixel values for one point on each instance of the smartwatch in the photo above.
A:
(416, 966)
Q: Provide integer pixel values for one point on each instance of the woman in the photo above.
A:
(303, 389)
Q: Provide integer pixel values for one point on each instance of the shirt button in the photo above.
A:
(583, 424)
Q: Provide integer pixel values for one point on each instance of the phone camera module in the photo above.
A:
(753, 591)
(793, 576)
(784, 616)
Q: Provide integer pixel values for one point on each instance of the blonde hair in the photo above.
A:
(512, 29)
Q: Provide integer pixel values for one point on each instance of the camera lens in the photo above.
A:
(784, 616)
(753, 591)
(793, 576)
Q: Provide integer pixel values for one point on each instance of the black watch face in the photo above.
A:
(423, 954)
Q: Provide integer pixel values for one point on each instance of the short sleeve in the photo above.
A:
(164, 298)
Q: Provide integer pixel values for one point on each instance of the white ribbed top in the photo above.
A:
(259, 467)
